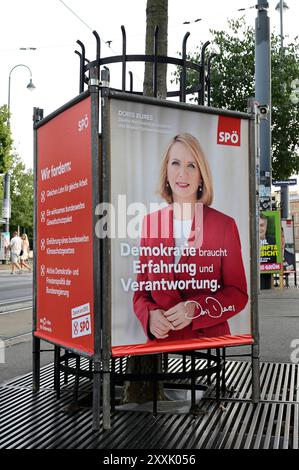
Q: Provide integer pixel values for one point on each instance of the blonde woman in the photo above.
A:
(191, 277)
(25, 252)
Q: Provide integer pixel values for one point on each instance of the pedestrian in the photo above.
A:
(24, 256)
(15, 247)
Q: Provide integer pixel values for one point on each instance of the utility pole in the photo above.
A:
(263, 96)
(284, 189)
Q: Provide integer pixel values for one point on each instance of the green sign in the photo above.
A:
(270, 242)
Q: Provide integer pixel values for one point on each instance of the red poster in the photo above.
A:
(229, 131)
(64, 229)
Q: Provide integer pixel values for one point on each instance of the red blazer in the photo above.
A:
(215, 308)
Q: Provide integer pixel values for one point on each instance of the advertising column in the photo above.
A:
(64, 230)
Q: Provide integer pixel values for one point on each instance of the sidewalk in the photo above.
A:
(7, 267)
(279, 324)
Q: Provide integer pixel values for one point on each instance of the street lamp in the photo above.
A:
(6, 183)
(30, 85)
(281, 7)
(284, 190)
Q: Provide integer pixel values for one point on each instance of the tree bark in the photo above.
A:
(156, 15)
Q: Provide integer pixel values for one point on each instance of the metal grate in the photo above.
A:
(29, 420)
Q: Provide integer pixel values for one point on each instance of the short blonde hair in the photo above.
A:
(206, 195)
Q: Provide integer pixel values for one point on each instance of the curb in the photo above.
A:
(15, 307)
(23, 338)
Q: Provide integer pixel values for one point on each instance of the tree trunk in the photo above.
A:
(156, 15)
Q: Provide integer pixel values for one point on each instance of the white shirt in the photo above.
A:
(181, 232)
(16, 245)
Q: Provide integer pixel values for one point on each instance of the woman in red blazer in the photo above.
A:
(192, 295)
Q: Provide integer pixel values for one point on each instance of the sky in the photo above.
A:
(52, 29)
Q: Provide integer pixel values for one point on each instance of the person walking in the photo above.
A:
(15, 247)
(24, 256)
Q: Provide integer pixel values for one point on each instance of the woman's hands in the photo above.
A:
(159, 326)
(176, 318)
(180, 315)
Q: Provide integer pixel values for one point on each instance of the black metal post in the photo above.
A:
(209, 365)
(193, 380)
(165, 362)
(124, 52)
(77, 379)
(202, 78)
(95, 150)
(218, 359)
(131, 82)
(66, 363)
(36, 363)
(212, 56)
(105, 253)
(112, 395)
(98, 56)
(80, 75)
(57, 371)
(184, 362)
(184, 69)
(155, 385)
(254, 249)
(223, 381)
(37, 116)
(82, 63)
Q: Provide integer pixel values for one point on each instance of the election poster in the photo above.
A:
(178, 223)
(270, 242)
(4, 242)
(64, 274)
(288, 246)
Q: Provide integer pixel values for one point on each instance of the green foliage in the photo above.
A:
(21, 193)
(232, 83)
(5, 140)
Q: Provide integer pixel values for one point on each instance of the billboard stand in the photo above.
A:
(83, 141)
(254, 130)
(38, 114)
(94, 87)
(105, 249)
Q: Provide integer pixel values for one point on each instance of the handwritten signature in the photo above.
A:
(214, 309)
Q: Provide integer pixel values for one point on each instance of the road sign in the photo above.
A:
(290, 182)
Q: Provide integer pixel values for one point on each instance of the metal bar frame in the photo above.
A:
(153, 58)
(254, 215)
(97, 269)
(107, 95)
(105, 250)
(93, 92)
(37, 116)
(183, 80)
(102, 248)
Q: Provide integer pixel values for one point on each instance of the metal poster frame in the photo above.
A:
(39, 121)
(107, 95)
(101, 186)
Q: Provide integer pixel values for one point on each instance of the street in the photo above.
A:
(16, 325)
(15, 287)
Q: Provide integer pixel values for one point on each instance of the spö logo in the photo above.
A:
(83, 123)
(229, 131)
